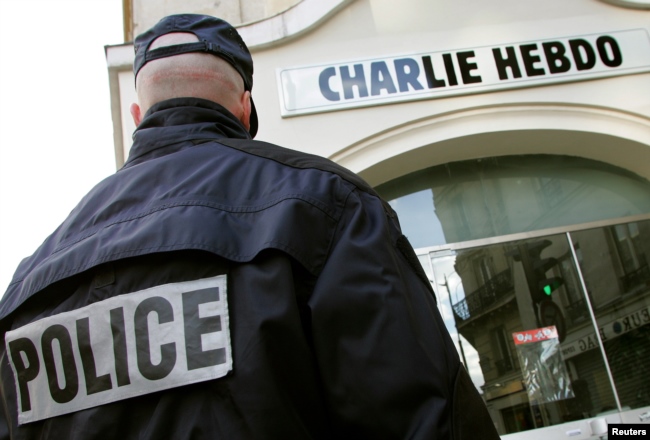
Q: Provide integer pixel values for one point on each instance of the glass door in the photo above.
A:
(614, 262)
(526, 331)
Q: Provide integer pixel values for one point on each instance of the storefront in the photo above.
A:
(521, 243)
(514, 143)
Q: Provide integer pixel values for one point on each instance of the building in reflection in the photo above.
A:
(498, 302)
(482, 213)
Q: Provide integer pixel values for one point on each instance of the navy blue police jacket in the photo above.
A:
(217, 287)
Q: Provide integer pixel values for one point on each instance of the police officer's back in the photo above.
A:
(223, 288)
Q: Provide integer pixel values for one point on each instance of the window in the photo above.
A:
(477, 199)
(498, 295)
(503, 361)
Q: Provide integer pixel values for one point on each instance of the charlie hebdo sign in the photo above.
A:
(336, 86)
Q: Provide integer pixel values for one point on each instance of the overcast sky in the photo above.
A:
(56, 133)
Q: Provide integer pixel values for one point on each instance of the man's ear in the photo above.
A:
(246, 107)
(136, 114)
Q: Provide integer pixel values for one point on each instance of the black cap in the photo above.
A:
(216, 37)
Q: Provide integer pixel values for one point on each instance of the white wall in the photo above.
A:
(604, 119)
(361, 138)
(147, 12)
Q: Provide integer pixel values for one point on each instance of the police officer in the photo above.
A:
(223, 288)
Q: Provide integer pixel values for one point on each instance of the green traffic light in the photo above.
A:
(550, 285)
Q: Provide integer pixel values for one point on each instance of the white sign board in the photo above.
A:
(368, 82)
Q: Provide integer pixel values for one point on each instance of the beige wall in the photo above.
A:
(604, 119)
(383, 142)
(147, 12)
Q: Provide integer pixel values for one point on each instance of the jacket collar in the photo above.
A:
(169, 125)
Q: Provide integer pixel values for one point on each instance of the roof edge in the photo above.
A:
(300, 18)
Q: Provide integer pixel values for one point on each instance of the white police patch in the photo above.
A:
(124, 346)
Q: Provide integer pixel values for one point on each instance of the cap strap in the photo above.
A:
(168, 51)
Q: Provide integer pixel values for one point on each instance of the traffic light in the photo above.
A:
(535, 267)
(541, 287)
(550, 284)
(545, 286)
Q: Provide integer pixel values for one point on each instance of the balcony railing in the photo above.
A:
(491, 292)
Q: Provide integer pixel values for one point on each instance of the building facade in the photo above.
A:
(514, 143)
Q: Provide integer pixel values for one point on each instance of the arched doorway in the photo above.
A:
(517, 245)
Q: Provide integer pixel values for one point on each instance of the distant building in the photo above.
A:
(514, 142)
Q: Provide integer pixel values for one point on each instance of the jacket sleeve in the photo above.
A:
(388, 365)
